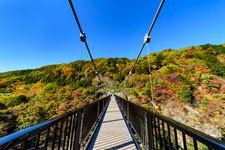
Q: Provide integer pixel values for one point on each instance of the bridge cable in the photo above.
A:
(147, 37)
(79, 70)
(83, 39)
(150, 76)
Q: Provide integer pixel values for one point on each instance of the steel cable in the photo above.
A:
(147, 36)
(83, 38)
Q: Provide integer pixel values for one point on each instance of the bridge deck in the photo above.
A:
(113, 132)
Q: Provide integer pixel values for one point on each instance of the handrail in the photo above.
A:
(67, 131)
(159, 132)
(16, 135)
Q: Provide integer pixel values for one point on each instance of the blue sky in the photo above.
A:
(38, 33)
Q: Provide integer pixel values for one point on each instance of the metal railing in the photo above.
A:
(155, 131)
(69, 131)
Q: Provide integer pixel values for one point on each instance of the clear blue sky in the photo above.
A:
(42, 32)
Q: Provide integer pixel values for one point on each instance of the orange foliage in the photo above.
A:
(222, 88)
(67, 71)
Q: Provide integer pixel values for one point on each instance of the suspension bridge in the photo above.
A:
(111, 123)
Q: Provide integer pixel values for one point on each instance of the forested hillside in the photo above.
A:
(188, 86)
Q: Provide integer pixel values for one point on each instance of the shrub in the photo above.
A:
(30, 79)
(51, 88)
(186, 94)
(2, 106)
(217, 67)
(184, 79)
(18, 100)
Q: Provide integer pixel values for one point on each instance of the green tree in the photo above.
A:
(18, 100)
(2, 106)
(186, 94)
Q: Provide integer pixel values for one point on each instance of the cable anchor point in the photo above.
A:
(82, 37)
(147, 38)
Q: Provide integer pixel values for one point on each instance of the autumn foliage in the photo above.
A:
(193, 76)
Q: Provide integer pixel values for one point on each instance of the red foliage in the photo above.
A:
(75, 93)
(216, 81)
(61, 107)
(202, 68)
(172, 77)
(212, 108)
(197, 95)
(204, 89)
(139, 85)
(190, 53)
(164, 93)
(222, 88)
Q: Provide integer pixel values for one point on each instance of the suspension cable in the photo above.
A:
(147, 37)
(156, 16)
(79, 70)
(83, 39)
(150, 76)
(132, 69)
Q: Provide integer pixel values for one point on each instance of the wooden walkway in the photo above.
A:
(113, 133)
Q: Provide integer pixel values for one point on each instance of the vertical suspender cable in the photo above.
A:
(132, 69)
(150, 76)
(83, 38)
(79, 70)
(147, 36)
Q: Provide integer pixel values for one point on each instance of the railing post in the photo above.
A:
(149, 131)
(78, 130)
(146, 130)
(122, 103)
(128, 111)
(98, 111)
(24, 145)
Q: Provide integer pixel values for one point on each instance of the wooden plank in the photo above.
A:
(113, 132)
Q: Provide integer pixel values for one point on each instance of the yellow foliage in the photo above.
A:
(221, 58)
(67, 70)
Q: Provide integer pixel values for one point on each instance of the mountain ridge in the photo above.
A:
(188, 84)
